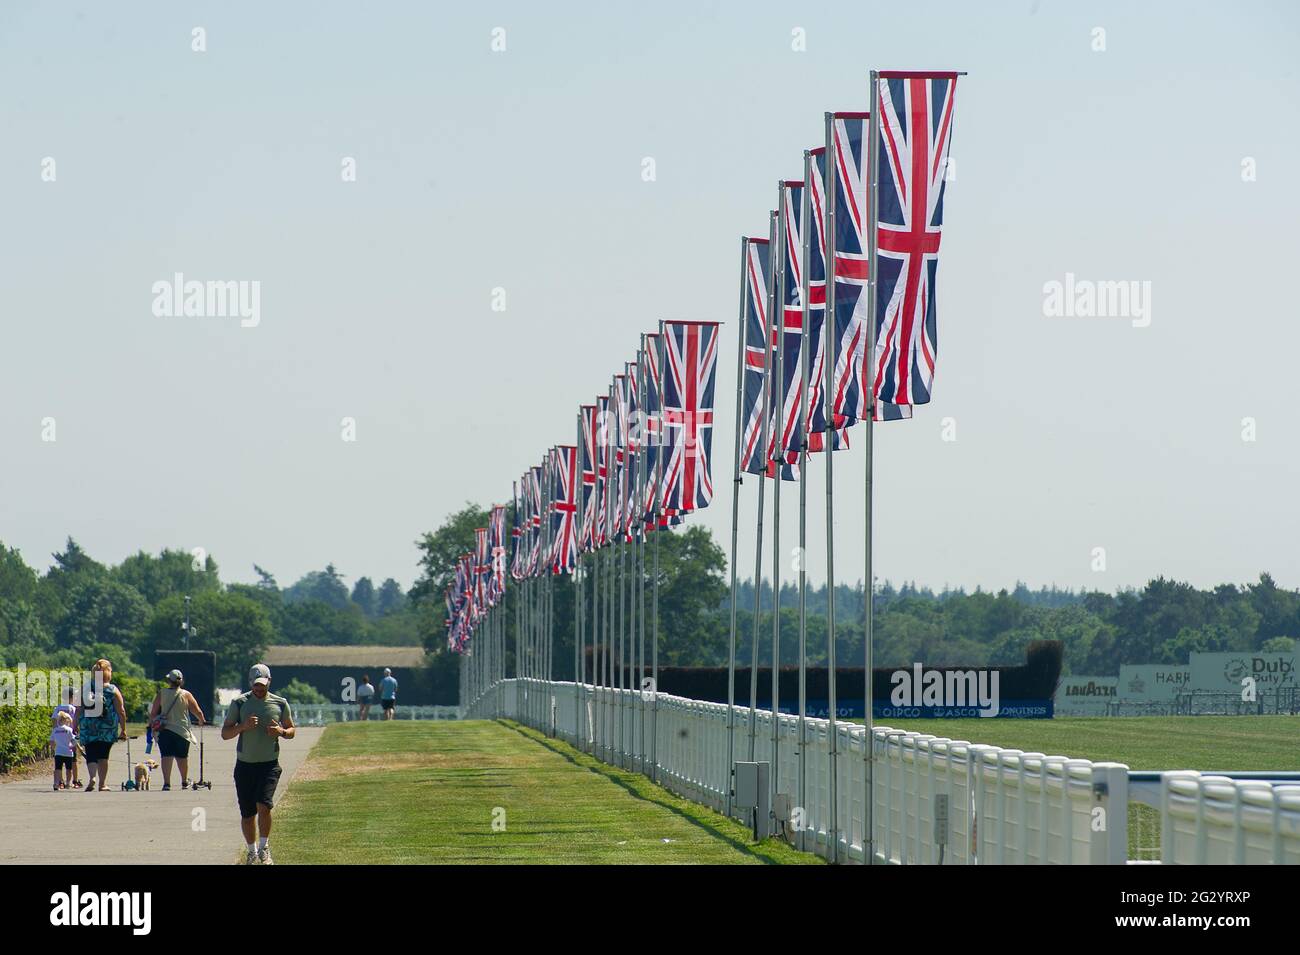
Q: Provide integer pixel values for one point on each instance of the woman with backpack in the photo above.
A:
(101, 722)
(169, 719)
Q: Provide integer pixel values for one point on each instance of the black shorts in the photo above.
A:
(388, 704)
(255, 783)
(97, 752)
(64, 762)
(173, 745)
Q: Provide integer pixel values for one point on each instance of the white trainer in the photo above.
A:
(264, 856)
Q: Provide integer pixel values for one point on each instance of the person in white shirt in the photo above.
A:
(65, 753)
(365, 696)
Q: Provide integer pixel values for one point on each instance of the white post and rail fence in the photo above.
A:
(936, 801)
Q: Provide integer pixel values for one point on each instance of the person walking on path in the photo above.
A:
(69, 706)
(169, 719)
(365, 696)
(388, 693)
(100, 723)
(65, 754)
(260, 719)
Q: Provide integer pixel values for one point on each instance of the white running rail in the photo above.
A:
(1004, 805)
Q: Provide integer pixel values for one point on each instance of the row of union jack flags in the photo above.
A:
(641, 459)
(642, 454)
(830, 211)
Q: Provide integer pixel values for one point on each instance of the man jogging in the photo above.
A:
(388, 693)
(260, 719)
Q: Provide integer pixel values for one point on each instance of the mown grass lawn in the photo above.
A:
(428, 792)
(1140, 742)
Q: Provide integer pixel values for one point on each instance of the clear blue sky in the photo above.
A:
(521, 170)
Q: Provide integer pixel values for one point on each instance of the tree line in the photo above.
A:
(1162, 622)
(81, 609)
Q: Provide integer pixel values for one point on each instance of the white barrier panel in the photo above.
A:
(1003, 806)
(1214, 820)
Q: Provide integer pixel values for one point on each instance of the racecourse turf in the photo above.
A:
(415, 792)
(1140, 742)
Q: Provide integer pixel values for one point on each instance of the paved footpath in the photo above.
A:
(39, 825)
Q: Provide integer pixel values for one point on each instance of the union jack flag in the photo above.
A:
(589, 502)
(913, 141)
(482, 571)
(497, 547)
(690, 365)
(618, 456)
(604, 452)
(534, 492)
(852, 210)
(632, 441)
(564, 509)
(797, 286)
(651, 387)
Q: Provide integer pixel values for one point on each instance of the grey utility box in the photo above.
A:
(751, 789)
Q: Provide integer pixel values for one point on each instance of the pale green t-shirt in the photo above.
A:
(255, 746)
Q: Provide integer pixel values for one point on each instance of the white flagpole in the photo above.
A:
(597, 657)
(831, 338)
(805, 230)
(548, 504)
(579, 638)
(611, 687)
(778, 385)
(768, 331)
(735, 516)
(620, 570)
(658, 529)
(639, 545)
(870, 157)
(519, 602)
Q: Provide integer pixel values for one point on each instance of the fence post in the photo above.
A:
(1109, 844)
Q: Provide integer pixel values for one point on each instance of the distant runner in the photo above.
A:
(260, 719)
(388, 693)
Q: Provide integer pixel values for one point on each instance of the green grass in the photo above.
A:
(425, 792)
(1140, 742)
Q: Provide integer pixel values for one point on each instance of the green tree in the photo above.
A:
(363, 595)
(265, 579)
(390, 598)
(315, 623)
(691, 586)
(102, 610)
(18, 582)
(296, 691)
(440, 549)
(325, 586)
(231, 625)
(171, 572)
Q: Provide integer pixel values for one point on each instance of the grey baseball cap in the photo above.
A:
(175, 677)
(261, 673)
